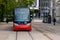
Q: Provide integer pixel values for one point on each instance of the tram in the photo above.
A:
(22, 19)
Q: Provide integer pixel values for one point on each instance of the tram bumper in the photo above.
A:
(22, 27)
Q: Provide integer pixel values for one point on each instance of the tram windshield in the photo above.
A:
(21, 14)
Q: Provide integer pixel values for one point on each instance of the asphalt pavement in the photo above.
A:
(40, 31)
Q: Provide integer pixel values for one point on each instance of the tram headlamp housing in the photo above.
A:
(16, 24)
(28, 24)
(25, 22)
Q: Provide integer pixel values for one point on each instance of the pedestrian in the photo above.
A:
(7, 20)
(54, 20)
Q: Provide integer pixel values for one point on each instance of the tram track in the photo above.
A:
(30, 35)
(39, 30)
(42, 33)
(16, 35)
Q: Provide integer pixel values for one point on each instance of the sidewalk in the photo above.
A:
(49, 30)
(4, 23)
(37, 20)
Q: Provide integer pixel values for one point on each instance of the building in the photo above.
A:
(58, 11)
(35, 6)
(48, 7)
(54, 9)
(44, 7)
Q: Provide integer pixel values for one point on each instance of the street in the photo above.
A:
(40, 31)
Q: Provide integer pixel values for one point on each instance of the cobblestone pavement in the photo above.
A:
(40, 31)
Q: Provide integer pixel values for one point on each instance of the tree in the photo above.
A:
(26, 2)
(9, 5)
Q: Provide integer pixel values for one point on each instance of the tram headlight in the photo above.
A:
(25, 22)
(28, 24)
(16, 24)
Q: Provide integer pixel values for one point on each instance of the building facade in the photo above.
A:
(44, 7)
(58, 11)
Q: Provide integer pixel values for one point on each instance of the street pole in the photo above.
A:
(6, 6)
(51, 9)
(39, 7)
(6, 10)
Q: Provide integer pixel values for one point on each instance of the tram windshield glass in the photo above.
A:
(21, 14)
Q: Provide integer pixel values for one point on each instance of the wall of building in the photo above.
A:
(44, 7)
(58, 11)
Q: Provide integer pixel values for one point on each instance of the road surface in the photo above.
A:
(40, 31)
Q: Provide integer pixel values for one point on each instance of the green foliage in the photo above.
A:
(32, 12)
(26, 2)
(9, 5)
